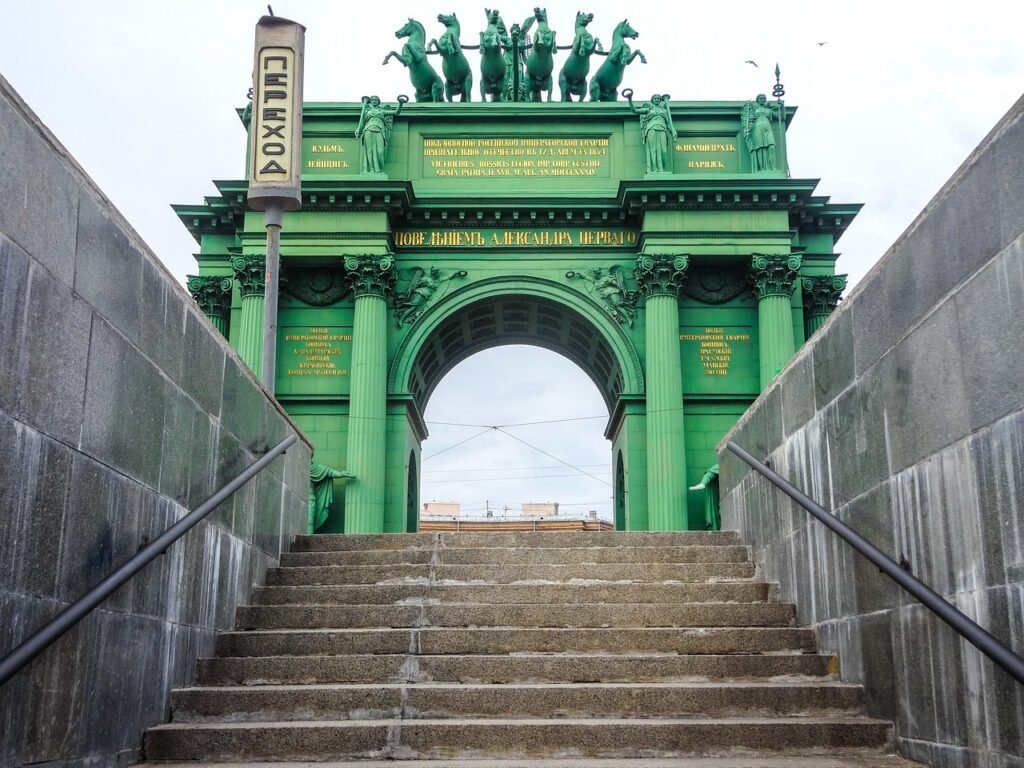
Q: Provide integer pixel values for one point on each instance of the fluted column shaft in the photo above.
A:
(372, 278)
(661, 278)
(774, 277)
(250, 271)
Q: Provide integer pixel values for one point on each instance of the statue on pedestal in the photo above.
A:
(759, 134)
(656, 125)
(374, 131)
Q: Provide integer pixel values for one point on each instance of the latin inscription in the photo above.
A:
(476, 157)
(516, 238)
(715, 347)
(316, 351)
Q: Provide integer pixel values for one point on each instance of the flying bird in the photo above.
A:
(748, 61)
(824, 43)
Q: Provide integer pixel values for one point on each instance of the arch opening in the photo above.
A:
(549, 448)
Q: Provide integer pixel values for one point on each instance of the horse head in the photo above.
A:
(625, 30)
(449, 20)
(541, 15)
(583, 19)
(408, 29)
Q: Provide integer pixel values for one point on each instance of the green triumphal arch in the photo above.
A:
(660, 245)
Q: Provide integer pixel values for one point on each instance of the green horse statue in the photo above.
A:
(492, 58)
(458, 77)
(605, 85)
(414, 56)
(572, 80)
(540, 63)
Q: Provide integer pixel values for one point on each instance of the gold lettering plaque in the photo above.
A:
(514, 157)
(515, 238)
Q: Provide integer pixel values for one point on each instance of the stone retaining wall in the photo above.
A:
(121, 408)
(905, 415)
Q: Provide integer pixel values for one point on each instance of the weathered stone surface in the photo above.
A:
(797, 409)
(105, 438)
(923, 453)
(39, 193)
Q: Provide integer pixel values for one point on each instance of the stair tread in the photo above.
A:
(668, 684)
(780, 761)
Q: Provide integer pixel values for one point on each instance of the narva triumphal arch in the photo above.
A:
(662, 246)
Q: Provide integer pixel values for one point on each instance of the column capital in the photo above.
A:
(251, 274)
(661, 274)
(774, 274)
(371, 274)
(212, 293)
(822, 292)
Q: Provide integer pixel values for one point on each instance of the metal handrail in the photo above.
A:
(967, 628)
(66, 619)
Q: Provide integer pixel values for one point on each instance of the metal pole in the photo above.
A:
(66, 619)
(968, 629)
(272, 218)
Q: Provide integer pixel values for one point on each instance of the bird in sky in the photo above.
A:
(748, 61)
(824, 43)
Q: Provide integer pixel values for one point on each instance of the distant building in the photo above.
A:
(439, 508)
(547, 508)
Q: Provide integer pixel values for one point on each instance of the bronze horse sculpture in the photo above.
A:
(572, 80)
(458, 77)
(492, 58)
(605, 85)
(414, 56)
(540, 63)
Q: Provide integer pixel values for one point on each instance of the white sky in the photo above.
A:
(143, 95)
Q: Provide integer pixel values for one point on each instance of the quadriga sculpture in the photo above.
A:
(572, 80)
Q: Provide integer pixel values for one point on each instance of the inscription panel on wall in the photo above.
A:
(516, 238)
(314, 359)
(706, 154)
(719, 358)
(330, 157)
(515, 157)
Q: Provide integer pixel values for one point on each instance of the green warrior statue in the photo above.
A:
(658, 131)
(374, 130)
(758, 134)
(321, 492)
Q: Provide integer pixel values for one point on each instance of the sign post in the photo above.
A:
(275, 153)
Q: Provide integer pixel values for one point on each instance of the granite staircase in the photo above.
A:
(546, 649)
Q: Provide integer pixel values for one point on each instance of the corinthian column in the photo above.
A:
(774, 277)
(821, 296)
(251, 274)
(372, 279)
(213, 295)
(660, 278)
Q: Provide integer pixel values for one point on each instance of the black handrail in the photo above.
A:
(965, 627)
(66, 619)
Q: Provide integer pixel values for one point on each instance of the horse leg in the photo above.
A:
(595, 91)
(547, 87)
(563, 86)
(467, 87)
(437, 91)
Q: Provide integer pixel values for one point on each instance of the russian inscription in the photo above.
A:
(482, 156)
(316, 351)
(515, 238)
(714, 347)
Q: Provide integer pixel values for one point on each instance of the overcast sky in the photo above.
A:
(143, 95)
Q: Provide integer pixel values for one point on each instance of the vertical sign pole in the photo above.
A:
(275, 154)
(272, 217)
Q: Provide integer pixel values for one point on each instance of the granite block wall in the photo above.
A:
(121, 408)
(904, 415)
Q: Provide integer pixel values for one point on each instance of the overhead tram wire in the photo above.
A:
(504, 469)
(520, 424)
(551, 456)
(461, 442)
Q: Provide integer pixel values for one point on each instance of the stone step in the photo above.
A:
(520, 615)
(529, 738)
(504, 574)
(520, 555)
(783, 761)
(550, 668)
(490, 641)
(594, 592)
(507, 539)
(415, 701)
